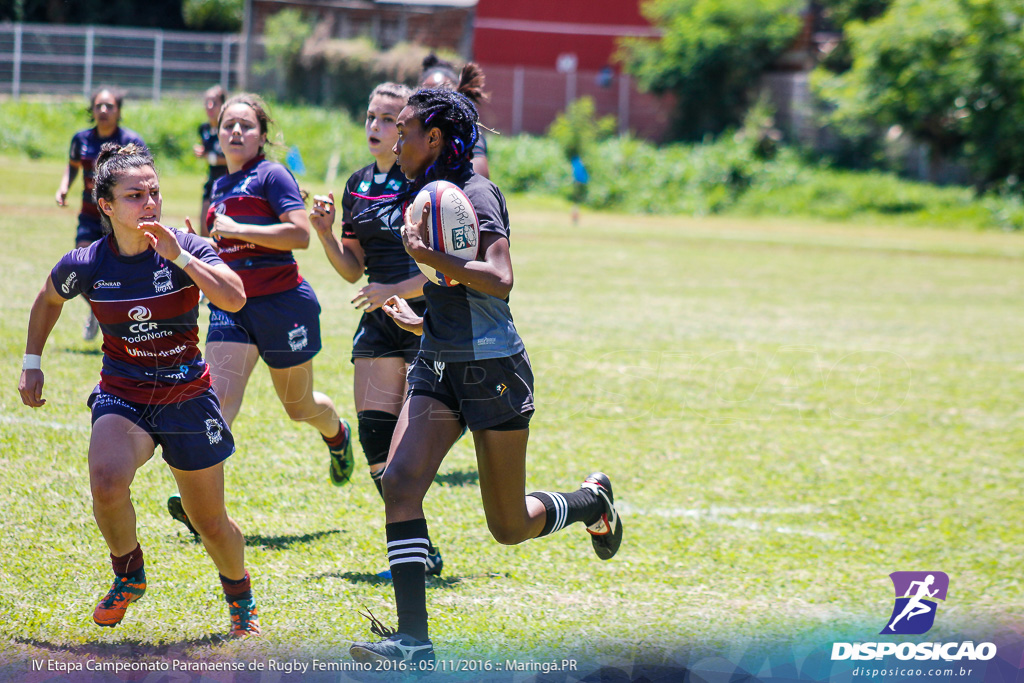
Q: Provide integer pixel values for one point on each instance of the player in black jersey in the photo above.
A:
(472, 370)
(209, 149)
(438, 73)
(381, 350)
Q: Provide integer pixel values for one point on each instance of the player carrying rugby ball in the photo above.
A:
(472, 370)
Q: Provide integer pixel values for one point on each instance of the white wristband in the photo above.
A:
(32, 362)
(183, 259)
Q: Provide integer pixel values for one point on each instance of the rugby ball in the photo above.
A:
(452, 226)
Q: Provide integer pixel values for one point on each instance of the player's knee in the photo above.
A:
(108, 485)
(376, 428)
(300, 411)
(212, 527)
(507, 532)
(400, 484)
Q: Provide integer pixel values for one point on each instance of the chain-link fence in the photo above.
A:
(41, 58)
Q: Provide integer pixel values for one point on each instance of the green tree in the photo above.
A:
(710, 55)
(213, 15)
(949, 72)
(577, 130)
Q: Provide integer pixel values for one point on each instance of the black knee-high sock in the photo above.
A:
(563, 509)
(407, 555)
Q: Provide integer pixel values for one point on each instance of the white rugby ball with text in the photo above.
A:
(452, 226)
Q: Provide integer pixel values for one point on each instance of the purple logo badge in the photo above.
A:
(916, 593)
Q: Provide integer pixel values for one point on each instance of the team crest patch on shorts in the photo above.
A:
(298, 338)
(214, 431)
(501, 389)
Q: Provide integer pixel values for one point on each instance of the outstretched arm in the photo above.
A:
(45, 312)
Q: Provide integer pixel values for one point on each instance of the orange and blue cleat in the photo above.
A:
(110, 610)
(245, 619)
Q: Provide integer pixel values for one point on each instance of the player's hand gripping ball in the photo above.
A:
(452, 226)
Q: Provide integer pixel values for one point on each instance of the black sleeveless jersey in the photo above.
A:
(379, 234)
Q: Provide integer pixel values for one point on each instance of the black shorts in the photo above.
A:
(215, 172)
(494, 393)
(193, 434)
(379, 337)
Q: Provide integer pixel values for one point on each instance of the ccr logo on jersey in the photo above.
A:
(913, 611)
(140, 313)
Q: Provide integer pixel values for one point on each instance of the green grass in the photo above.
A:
(789, 410)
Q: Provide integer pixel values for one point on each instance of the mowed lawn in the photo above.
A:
(789, 411)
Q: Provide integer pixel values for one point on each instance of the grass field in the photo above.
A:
(789, 412)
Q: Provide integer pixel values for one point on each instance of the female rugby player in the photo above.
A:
(105, 111)
(381, 350)
(257, 217)
(472, 370)
(142, 281)
(438, 74)
(209, 149)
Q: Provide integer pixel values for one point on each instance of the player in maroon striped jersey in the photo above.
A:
(142, 281)
(257, 217)
(105, 111)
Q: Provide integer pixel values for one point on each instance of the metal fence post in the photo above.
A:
(623, 103)
(225, 62)
(90, 40)
(518, 80)
(158, 63)
(16, 76)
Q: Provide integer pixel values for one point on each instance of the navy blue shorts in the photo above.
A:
(494, 393)
(89, 229)
(379, 337)
(192, 434)
(284, 327)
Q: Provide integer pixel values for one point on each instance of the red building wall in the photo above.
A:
(518, 45)
(535, 32)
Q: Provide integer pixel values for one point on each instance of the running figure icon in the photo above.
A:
(915, 606)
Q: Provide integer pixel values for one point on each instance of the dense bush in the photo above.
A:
(733, 174)
(44, 129)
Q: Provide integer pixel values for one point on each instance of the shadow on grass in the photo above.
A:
(287, 540)
(86, 352)
(459, 478)
(125, 648)
(432, 581)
